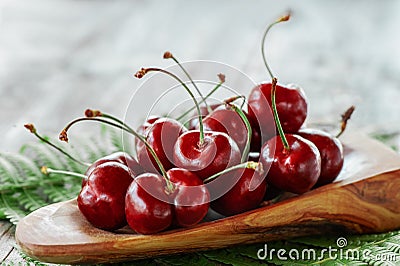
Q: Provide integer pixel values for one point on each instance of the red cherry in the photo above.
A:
(146, 204)
(218, 152)
(102, 199)
(120, 157)
(246, 194)
(161, 136)
(331, 151)
(291, 105)
(229, 122)
(151, 206)
(191, 197)
(295, 170)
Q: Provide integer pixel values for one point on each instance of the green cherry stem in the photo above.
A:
(46, 171)
(33, 130)
(64, 137)
(96, 113)
(257, 166)
(281, 19)
(345, 118)
(169, 55)
(221, 81)
(144, 71)
(276, 116)
(242, 115)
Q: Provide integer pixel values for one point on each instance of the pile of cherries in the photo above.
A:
(225, 158)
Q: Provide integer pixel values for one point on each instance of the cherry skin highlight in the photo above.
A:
(331, 151)
(295, 170)
(102, 199)
(218, 152)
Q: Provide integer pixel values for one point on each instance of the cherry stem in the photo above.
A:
(245, 154)
(281, 19)
(96, 113)
(221, 81)
(276, 116)
(257, 166)
(33, 130)
(63, 136)
(46, 171)
(345, 118)
(144, 71)
(168, 55)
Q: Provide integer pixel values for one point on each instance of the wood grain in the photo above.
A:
(365, 199)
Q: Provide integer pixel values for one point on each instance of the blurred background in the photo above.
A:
(59, 57)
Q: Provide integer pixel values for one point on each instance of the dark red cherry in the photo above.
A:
(245, 195)
(102, 199)
(295, 170)
(147, 205)
(331, 151)
(218, 152)
(161, 136)
(120, 157)
(226, 120)
(190, 198)
(291, 106)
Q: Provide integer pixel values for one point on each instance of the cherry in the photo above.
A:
(147, 205)
(153, 203)
(295, 170)
(291, 102)
(120, 157)
(190, 198)
(217, 152)
(330, 148)
(161, 136)
(245, 195)
(101, 200)
(224, 119)
(331, 151)
(294, 163)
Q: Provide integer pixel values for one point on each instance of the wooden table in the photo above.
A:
(59, 57)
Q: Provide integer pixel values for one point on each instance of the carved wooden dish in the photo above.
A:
(364, 199)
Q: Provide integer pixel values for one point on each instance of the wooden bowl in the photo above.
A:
(364, 199)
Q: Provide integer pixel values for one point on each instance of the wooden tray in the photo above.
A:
(365, 199)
